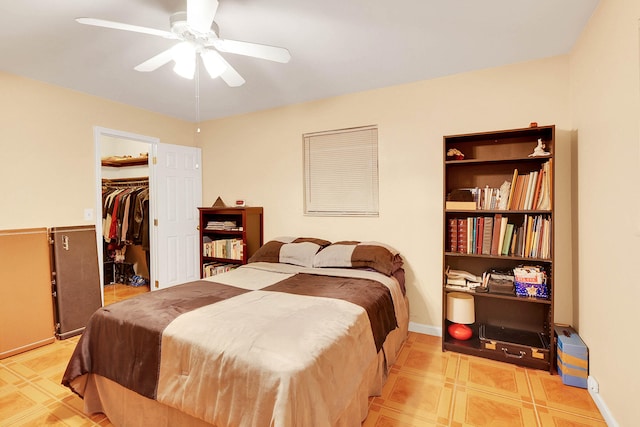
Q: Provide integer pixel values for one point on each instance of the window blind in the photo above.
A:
(341, 172)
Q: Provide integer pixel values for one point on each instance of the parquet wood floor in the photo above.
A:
(426, 387)
(118, 292)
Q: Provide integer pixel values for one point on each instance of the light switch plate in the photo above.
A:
(88, 214)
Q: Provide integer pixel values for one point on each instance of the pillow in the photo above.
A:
(378, 256)
(290, 250)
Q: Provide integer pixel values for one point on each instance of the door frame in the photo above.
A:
(98, 134)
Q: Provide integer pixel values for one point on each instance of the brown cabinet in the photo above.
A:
(228, 237)
(479, 164)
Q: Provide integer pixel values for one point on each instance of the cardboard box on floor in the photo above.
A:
(572, 357)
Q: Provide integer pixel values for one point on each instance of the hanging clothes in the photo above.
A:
(125, 212)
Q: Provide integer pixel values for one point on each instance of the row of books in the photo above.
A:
(222, 225)
(495, 235)
(223, 248)
(213, 268)
(531, 191)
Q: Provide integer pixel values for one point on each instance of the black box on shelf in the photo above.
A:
(514, 343)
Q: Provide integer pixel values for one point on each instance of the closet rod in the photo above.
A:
(125, 181)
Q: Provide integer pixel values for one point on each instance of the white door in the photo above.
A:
(177, 191)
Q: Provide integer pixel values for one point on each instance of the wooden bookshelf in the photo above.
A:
(490, 159)
(247, 230)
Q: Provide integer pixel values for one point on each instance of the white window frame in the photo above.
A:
(341, 172)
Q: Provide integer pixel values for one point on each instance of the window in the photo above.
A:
(341, 172)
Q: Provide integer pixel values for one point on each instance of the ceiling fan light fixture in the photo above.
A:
(184, 55)
(214, 63)
(197, 32)
(185, 69)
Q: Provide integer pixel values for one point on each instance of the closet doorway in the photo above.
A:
(175, 193)
(124, 214)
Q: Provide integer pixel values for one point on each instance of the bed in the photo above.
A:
(302, 335)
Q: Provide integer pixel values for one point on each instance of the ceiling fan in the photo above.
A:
(198, 36)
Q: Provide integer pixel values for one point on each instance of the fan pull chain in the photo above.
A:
(197, 78)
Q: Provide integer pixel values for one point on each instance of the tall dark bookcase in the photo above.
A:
(490, 159)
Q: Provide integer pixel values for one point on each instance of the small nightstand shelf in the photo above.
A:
(228, 237)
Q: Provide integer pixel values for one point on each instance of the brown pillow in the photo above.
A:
(298, 251)
(353, 254)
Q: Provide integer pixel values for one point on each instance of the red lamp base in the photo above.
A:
(460, 331)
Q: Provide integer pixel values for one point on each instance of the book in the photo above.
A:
(487, 235)
(487, 195)
(471, 229)
(529, 234)
(534, 237)
(503, 196)
(512, 189)
(479, 234)
(546, 247)
(214, 268)
(544, 203)
(536, 192)
(503, 229)
(533, 178)
(517, 194)
(459, 281)
(496, 234)
(456, 205)
(462, 235)
(514, 240)
(523, 192)
(519, 242)
(508, 234)
(453, 234)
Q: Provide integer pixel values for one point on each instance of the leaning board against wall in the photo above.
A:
(26, 312)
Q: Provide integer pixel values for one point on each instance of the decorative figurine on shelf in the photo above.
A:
(539, 150)
(454, 154)
(219, 203)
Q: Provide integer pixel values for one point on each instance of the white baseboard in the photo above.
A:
(602, 407)
(436, 331)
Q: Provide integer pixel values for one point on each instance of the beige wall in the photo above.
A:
(47, 159)
(259, 157)
(605, 86)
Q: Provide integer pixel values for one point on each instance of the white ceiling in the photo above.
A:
(337, 46)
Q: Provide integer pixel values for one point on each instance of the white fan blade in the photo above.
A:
(126, 27)
(200, 14)
(263, 51)
(232, 77)
(156, 62)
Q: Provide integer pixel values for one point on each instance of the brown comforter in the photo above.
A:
(209, 349)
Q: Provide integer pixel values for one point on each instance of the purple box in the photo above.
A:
(538, 290)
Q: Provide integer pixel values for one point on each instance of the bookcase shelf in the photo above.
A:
(491, 158)
(499, 257)
(489, 161)
(530, 300)
(495, 211)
